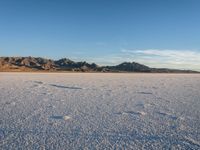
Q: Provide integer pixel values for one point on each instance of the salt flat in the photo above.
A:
(99, 111)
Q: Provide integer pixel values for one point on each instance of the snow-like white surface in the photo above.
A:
(99, 111)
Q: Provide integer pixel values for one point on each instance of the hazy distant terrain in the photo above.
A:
(30, 64)
(99, 111)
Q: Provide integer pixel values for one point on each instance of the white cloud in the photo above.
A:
(162, 58)
(182, 59)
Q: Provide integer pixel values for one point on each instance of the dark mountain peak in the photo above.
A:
(130, 67)
(64, 62)
(130, 64)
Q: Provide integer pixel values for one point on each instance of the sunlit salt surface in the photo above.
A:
(99, 111)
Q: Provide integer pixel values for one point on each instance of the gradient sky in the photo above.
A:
(158, 33)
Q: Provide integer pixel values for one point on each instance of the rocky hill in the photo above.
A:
(130, 67)
(42, 64)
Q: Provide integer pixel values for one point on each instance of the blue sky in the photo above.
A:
(158, 33)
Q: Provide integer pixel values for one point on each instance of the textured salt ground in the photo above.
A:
(99, 111)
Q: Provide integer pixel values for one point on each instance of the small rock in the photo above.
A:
(66, 117)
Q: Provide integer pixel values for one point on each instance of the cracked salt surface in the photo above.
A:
(99, 111)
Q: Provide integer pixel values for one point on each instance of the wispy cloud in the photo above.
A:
(162, 58)
(183, 59)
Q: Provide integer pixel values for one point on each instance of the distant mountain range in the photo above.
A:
(42, 64)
